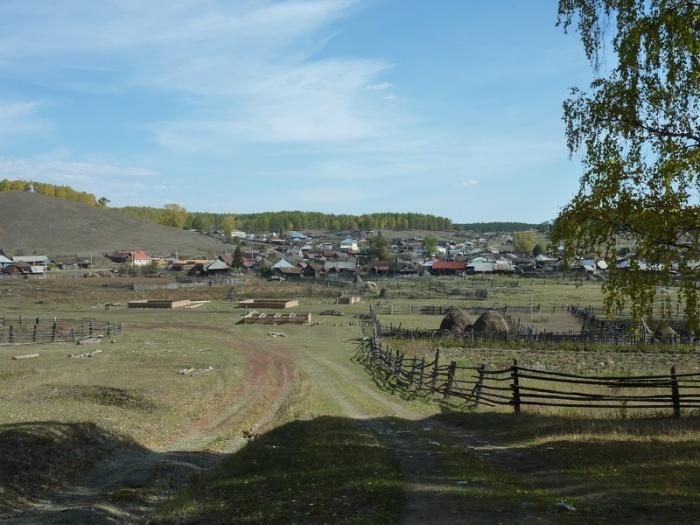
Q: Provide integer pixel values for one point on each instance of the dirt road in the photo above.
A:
(125, 487)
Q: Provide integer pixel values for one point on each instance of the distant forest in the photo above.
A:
(282, 221)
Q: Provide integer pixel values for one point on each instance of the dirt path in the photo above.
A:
(428, 500)
(125, 487)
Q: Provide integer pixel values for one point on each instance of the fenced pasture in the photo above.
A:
(525, 327)
(19, 330)
(520, 387)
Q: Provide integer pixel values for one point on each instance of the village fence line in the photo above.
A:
(520, 386)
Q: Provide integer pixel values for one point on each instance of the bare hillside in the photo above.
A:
(33, 223)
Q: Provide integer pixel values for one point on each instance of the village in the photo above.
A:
(297, 255)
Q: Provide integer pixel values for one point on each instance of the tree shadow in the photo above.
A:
(54, 472)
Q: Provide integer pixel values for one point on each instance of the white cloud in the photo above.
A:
(21, 118)
(240, 71)
(378, 87)
(470, 182)
(93, 177)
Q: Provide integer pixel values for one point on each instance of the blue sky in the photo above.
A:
(452, 108)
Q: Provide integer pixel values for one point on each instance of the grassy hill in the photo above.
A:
(30, 222)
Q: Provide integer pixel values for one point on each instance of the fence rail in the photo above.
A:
(517, 386)
(25, 330)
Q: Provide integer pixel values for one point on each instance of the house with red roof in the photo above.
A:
(448, 267)
(136, 258)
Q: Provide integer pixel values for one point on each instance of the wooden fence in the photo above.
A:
(596, 330)
(520, 387)
(24, 330)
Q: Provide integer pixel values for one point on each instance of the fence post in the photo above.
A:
(450, 378)
(479, 384)
(398, 365)
(53, 331)
(11, 335)
(675, 394)
(422, 371)
(515, 386)
(435, 368)
(412, 372)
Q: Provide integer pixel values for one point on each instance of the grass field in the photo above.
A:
(291, 429)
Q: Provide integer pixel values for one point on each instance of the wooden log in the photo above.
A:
(88, 340)
(26, 356)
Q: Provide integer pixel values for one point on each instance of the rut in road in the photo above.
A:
(427, 501)
(132, 472)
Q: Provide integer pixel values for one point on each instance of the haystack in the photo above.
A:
(456, 320)
(359, 283)
(370, 286)
(666, 333)
(490, 321)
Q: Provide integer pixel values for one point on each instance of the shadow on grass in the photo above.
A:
(450, 468)
(383, 379)
(446, 469)
(53, 472)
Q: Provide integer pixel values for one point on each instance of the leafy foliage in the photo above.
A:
(284, 221)
(484, 227)
(62, 192)
(238, 263)
(637, 133)
(430, 243)
(377, 248)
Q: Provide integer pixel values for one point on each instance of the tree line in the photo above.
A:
(52, 190)
(502, 227)
(285, 221)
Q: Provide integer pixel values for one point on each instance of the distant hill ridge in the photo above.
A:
(31, 222)
(176, 216)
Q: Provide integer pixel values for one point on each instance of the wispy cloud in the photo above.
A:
(21, 118)
(97, 178)
(239, 71)
(179, 100)
(379, 87)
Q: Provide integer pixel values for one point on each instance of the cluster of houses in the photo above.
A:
(299, 255)
(23, 265)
